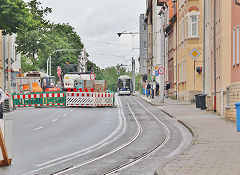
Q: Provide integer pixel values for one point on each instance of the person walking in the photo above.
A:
(3, 97)
(157, 88)
(148, 89)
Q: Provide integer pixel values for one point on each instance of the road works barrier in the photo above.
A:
(89, 99)
(39, 99)
(63, 99)
(80, 99)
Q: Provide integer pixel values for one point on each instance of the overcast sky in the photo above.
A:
(98, 22)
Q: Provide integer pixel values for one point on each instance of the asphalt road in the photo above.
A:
(45, 134)
(132, 139)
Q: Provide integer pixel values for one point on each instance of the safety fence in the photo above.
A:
(39, 99)
(63, 99)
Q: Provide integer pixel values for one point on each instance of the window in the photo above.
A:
(194, 26)
(186, 28)
(234, 47)
(237, 45)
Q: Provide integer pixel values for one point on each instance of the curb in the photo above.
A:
(188, 127)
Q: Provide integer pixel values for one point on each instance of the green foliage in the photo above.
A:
(15, 16)
(39, 43)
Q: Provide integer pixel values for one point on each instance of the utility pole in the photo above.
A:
(9, 65)
(133, 74)
(162, 61)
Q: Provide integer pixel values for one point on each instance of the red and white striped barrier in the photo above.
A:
(89, 99)
(104, 99)
(80, 99)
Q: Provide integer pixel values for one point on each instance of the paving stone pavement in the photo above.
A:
(215, 149)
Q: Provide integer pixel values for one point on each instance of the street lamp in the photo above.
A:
(59, 50)
(130, 33)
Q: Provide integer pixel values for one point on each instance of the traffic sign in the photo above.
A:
(161, 70)
(156, 73)
(92, 76)
(194, 54)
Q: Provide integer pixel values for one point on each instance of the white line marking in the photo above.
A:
(55, 120)
(64, 115)
(36, 129)
(146, 99)
(117, 149)
(71, 156)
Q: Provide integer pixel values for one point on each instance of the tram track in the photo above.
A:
(137, 136)
(145, 135)
(146, 154)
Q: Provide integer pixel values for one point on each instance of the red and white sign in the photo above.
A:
(161, 70)
(92, 76)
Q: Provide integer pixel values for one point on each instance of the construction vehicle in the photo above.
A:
(35, 81)
(72, 79)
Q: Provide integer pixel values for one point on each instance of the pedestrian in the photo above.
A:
(148, 89)
(3, 97)
(153, 88)
(157, 88)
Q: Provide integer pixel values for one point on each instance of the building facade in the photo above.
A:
(143, 46)
(233, 91)
(189, 37)
(10, 62)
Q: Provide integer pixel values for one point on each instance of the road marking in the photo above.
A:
(107, 154)
(122, 121)
(146, 99)
(64, 115)
(36, 129)
(55, 120)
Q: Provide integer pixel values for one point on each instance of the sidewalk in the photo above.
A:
(216, 146)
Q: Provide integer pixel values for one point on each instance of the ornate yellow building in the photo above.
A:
(189, 37)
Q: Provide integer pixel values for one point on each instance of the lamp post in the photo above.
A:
(49, 60)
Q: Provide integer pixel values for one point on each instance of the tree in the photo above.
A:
(15, 16)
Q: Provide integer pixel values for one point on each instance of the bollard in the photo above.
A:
(238, 115)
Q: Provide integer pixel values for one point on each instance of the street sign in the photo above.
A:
(92, 76)
(12, 61)
(156, 73)
(161, 70)
(194, 54)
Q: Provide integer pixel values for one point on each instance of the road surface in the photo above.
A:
(133, 138)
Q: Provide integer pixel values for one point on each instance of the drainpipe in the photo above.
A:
(214, 57)
(204, 45)
(176, 50)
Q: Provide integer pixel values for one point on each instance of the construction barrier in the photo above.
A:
(104, 99)
(89, 99)
(80, 99)
(39, 99)
(63, 99)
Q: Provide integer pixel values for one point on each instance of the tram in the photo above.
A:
(124, 85)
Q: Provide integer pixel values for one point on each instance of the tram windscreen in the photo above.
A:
(124, 83)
